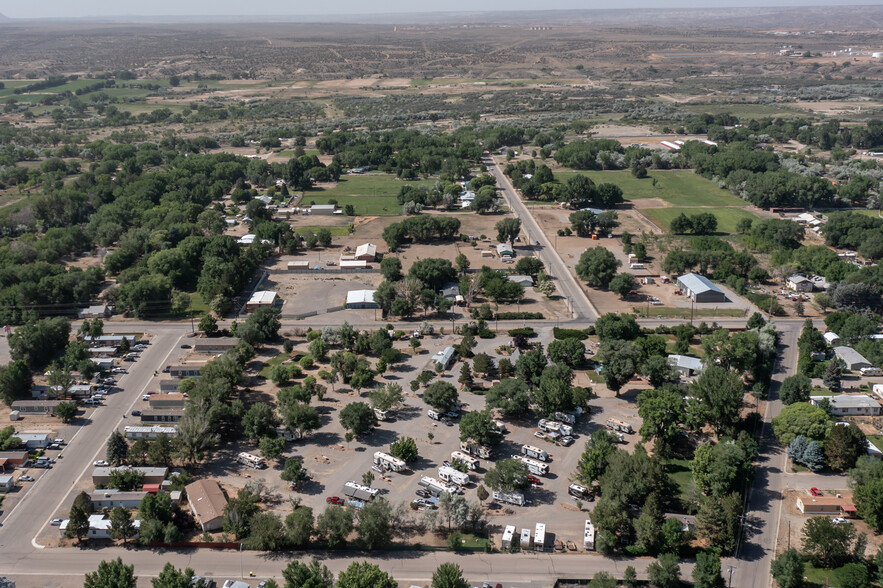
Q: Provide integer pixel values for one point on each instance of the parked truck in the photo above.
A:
(618, 425)
(389, 462)
(534, 452)
(516, 498)
(535, 467)
(252, 461)
(358, 491)
(437, 487)
(470, 461)
(475, 449)
(547, 425)
(449, 474)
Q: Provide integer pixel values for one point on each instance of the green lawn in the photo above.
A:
(727, 218)
(197, 304)
(363, 205)
(674, 312)
(679, 472)
(265, 372)
(678, 188)
(817, 577)
(368, 185)
(877, 441)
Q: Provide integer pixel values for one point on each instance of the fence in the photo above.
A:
(198, 544)
(323, 270)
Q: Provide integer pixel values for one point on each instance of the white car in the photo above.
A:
(100, 464)
(55, 522)
(837, 521)
(118, 370)
(25, 479)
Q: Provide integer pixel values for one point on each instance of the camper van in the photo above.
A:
(437, 487)
(578, 491)
(252, 461)
(470, 461)
(589, 536)
(618, 425)
(566, 417)
(449, 474)
(358, 491)
(636, 265)
(508, 533)
(553, 426)
(534, 452)
(871, 371)
(539, 537)
(516, 498)
(535, 467)
(433, 415)
(388, 462)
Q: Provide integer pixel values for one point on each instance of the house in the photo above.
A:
(353, 264)
(686, 365)
(267, 200)
(851, 405)
(259, 299)
(326, 209)
(853, 359)
(361, 299)
(14, 459)
(35, 406)
(184, 371)
(366, 252)
(450, 291)
(523, 281)
(102, 363)
(700, 289)
(34, 440)
(215, 344)
(505, 251)
(207, 502)
(246, 239)
(99, 527)
(96, 311)
(103, 351)
(820, 283)
(101, 476)
(444, 357)
(7, 483)
(299, 264)
(150, 433)
(831, 338)
(799, 283)
(115, 340)
(174, 400)
(112, 498)
(825, 505)
(168, 386)
(169, 415)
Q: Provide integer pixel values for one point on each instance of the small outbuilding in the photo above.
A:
(260, 299)
(700, 289)
(366, 252)
(361, 299)
(444, 357)
(505, 251)
(831, 338)
(101, 311)
(326, 209)
(524, 281)
(686, 365)
(7, 483)
(825, 505)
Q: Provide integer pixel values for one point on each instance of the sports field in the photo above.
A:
(727, 218)
(677, 188)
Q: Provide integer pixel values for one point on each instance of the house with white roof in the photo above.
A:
(850, 404)
(366, 252)
(686, 365)
(259, 299)
(361, 299)
(799, 283)
(700, 288)
(853, 359)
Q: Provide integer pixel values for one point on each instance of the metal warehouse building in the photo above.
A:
(700, 288)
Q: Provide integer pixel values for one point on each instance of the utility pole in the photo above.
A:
(730, 581)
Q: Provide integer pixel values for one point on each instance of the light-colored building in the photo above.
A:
(524, 281)
(167, 401)
(168, 415)
(299, 264)
(259, 299)
(167, 386)
(851, 405)
(36, 406)
(34, 440)
(207, 502)
(185, 371)
(150, 432)
(114, 340)
(361, 299)
(366, 252)
(101, 311)
(799, 283)
(700, 289)
(825, 505)
(831, 338)
(853, 359)
(215, 344)
(103, 351)
(444, 357)
(686, 365)
(101, 476)
(353, 264)
(112, 498)
(504, 250)
(7, 483)
(102, 363)
(99, 527)
(327, 209)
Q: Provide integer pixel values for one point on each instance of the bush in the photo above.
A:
(515, 316)
(560, 333)
(523, 331)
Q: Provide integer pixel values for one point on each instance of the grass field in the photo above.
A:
(363, 205)
(818, 577)
(678, 188)
(674, 312)
(370, 185)
(727, 218)
(679, 472)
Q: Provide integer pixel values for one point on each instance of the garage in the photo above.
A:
(700, 289)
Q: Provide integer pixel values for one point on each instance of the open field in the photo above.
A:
(367, 185)
(727, 218)
(363, 205)
(675, 188)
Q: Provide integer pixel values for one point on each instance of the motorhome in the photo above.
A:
(358, 491)
(449, 474)
(382, 415)
(566, 417)
(534, 452)
(618, 425)
(516, 498)
(252, 461)
(554, 426)
(525, 539)
(437, 487)
(433, 415)
(508, 533)
(389, 462)
(470, 461)
(539, 537)
(475, 449)
(589, 536)
(535, 467)
(578, 491)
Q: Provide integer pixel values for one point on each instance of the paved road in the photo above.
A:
(580, 305)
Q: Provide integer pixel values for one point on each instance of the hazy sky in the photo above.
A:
(104, 8)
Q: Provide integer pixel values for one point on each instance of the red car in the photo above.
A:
(334, 500)
(815, 492)
(534, 480)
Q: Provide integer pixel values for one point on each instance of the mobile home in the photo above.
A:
(508, 533)
(539, 537)
(449, 474)
(387, 461)
(470, 461)
(534, 452)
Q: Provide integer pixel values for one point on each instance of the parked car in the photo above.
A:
(539, 435)
(334, 500)
(185, 346)
(55, 522)
(534, 480)
(136, 413)
(567, 441)
(25, 479)
(54, 446)
(377, 468)
(118, 370)
(839, 521)
(59, 441)
(815, 492)
(423, 494)
(100, 463)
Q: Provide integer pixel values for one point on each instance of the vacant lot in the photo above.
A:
(727, 218)
(675, 188)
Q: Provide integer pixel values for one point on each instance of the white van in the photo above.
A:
(636, 266)
(433, 415)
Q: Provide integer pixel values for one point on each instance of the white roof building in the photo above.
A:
(246, 239)
(261, 298)
(361, 299)
(851, 405)
(366, 251)
(831, 337)
(852, 358)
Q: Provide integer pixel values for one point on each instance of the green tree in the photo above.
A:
(717, 521)
(266, 533)
(570, 352)
(595, 457)
(855, 575)
(665, 572)
(358, 418)
(622, 284)
(630, 577)
(658, 371)
(364, 575)
(15, 381)
(117, 448)
(707, 573)
(832, 376)
(507, 475)
(387, 397)
(868, 498)
(661, 411)
(508, 229)
(440, 396)
(828, 544)
(602, 580)
(121, 525)
(787, 569)
(465, 379)
(171, 577)
(312, 575)
(480, 427)
(67, 411)
(301, 417)
(597, 267)
(448, 575)
(375, 524)
(294, 473)
(391, 268)
(334, 525)
(404, 448)
(795, 388)
(299, 525)
(112, 574)
(208, 325)
(509, 396)
(272, 447)
(721, 469)
(801, 418)
(620, 360)
(78, 523)
(260, 421)
(720, 391)
(844, 445)
(554, 390)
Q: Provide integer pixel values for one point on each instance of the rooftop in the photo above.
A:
(263, 297)
(853, 401)
(207, 499)
(360, 296)
(215, 341)
(850, 355)
(685, 361)
(366, 249)
(697, 284)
